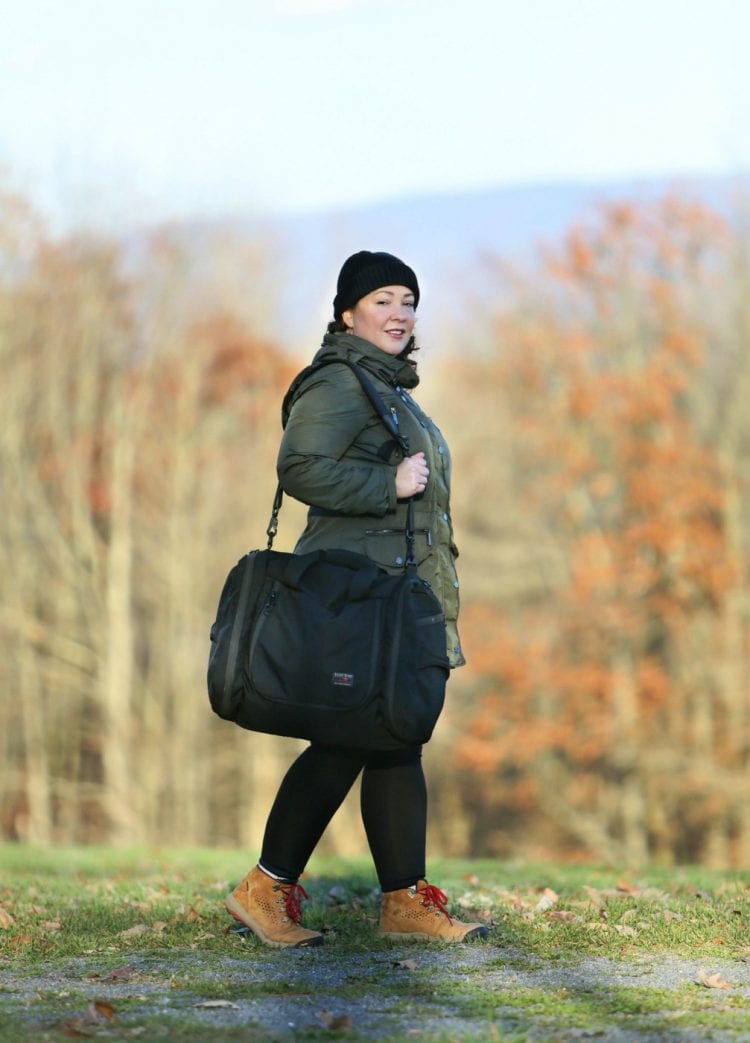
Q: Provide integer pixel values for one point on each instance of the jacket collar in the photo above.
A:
(392, 370)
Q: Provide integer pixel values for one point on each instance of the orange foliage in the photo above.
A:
(616, 461)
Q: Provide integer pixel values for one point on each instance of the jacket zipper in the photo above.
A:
(400, 532)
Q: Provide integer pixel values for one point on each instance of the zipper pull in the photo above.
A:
(401, 439)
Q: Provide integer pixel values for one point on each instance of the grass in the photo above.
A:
(148, 931)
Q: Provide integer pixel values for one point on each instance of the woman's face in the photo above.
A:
(385, 317)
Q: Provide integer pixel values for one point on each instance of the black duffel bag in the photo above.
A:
(327, 646)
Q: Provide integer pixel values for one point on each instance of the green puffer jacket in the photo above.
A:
(337, 457)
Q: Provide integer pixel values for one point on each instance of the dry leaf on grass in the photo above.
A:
(6, 920)
(82, 1025)
(99, 1009)
(711, 981)
(628, 932)
(133, 932)
(548, 899)
(19, 941)
(562, 916)
(123, 973)
(190, 915)
(141, 907)
(74, 1027)
(329, 1020)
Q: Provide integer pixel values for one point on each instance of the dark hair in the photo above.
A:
(337, 326)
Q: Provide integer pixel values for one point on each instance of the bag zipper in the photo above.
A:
(265, 612)
(239, 616)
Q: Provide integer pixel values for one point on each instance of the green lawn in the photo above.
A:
(150, 927)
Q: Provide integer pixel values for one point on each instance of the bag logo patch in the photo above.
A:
(343, 680)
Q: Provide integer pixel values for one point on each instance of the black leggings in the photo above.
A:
(393, 802)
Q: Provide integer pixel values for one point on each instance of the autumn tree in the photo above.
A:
(605, 709)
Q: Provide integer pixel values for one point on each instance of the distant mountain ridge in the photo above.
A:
(442, 236)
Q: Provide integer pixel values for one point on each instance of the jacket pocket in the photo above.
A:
(387, 547)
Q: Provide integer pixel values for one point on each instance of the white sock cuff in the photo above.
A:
(280, 879)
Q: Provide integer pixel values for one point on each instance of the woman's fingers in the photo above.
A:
(411, 475)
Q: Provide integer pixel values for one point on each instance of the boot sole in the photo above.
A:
(242, 916)
(419, 936)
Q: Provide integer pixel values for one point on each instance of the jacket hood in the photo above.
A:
(392, 370)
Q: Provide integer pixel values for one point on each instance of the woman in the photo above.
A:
(337, 457)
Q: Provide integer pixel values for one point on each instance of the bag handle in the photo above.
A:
(389, 419)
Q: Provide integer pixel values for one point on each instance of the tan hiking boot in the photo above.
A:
(418, 913)
(271, 910)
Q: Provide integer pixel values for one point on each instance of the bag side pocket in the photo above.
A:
(419, 669)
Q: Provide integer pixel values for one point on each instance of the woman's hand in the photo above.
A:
(411, 476)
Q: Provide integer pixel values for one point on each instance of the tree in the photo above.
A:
(597, 703)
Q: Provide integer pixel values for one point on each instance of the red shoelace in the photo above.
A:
(293, 894)
(432, 895)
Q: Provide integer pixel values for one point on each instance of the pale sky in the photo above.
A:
(168, 108)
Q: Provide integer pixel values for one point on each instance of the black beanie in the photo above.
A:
(364, 272)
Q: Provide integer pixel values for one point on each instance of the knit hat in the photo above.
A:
(364, 272)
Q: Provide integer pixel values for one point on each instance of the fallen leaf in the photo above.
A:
(217, 1004)
(548, 899)
(6, 920)
(51, 925)
(190, 914)
(562, 915)
(99, 1009)
(711, 981)
(19, 940)
(625, 885)
(123, 973)
(75, 1027)
(406, 965)
(133, 932)
(594, 895)
(334, 1021)
(628, 932)
(159, 926)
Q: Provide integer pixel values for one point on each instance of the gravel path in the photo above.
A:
(316, 986)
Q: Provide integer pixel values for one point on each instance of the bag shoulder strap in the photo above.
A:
(389, 419)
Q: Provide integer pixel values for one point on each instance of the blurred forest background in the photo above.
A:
(598, 409)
